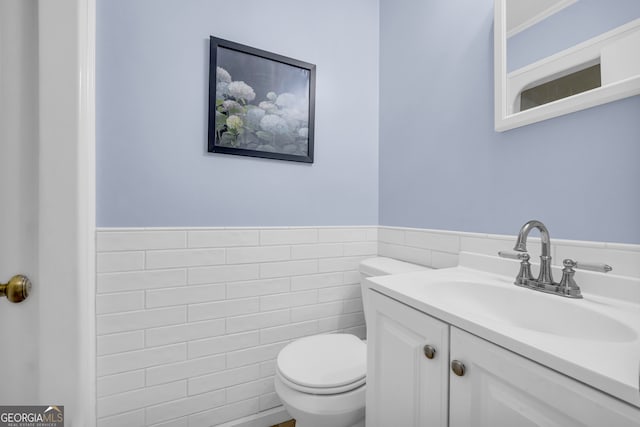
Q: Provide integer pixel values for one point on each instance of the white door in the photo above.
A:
(19, 332)
(47, 204)
(404, 386)
(501, 389)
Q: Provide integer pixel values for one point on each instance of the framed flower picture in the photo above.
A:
(260, 104)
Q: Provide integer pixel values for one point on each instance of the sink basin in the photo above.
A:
(528, 309)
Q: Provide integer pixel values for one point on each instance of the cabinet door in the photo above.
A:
(404, 387)
(499, 388)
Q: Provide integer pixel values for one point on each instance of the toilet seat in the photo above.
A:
(320, 390)
(324, 364)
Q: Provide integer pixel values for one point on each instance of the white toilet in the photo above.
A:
(321, 379)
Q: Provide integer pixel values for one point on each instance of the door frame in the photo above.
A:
(67, 207)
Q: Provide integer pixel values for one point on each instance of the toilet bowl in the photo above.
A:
(321, 379)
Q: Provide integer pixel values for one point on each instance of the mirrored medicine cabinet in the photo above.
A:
(554, 57)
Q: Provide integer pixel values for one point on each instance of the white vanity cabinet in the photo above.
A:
(497, 388)
(500, 388)
(405, 388)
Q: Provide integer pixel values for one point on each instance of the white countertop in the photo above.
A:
(611, 365)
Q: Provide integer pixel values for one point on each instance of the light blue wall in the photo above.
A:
(152, 85)
(442, 166)
(575, 24)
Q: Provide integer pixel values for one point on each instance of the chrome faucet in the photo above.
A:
(544, 277)
(567, 286)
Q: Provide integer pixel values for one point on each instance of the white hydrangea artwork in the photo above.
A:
(262, 112)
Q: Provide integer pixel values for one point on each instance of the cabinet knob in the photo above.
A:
(429, 351)
(457, 367)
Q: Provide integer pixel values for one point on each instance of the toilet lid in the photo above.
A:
(324, 361)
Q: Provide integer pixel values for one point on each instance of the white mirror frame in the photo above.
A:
(504, 120)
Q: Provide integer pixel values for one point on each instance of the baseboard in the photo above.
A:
(262, 419)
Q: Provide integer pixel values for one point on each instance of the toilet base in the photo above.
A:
(358, 424)
(309, 410)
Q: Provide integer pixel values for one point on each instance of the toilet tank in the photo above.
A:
(382, 266)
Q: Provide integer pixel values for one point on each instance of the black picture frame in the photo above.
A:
(261, 104)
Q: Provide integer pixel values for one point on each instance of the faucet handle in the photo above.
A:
(524, 277)
(568, 285)
(591, 266)
(522, 256)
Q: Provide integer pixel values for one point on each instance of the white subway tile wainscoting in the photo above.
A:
(190, 321)
(440, 248)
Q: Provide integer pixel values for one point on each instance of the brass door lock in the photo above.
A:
(17, 289)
